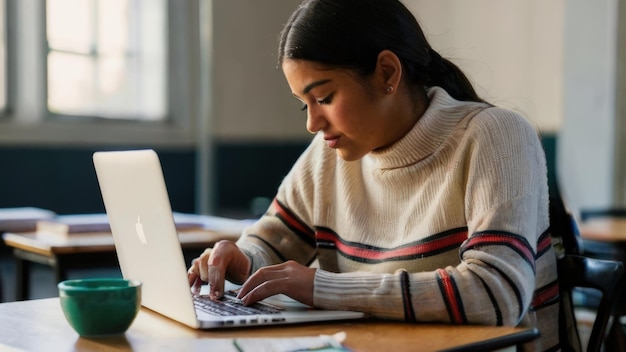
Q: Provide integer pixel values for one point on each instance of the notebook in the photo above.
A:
(137, 204)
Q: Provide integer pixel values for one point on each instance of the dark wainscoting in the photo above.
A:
(62, 179)
(244, 172)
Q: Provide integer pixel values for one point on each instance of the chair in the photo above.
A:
(607, 276)
(565, 240)
(610, 251)
(577, 271)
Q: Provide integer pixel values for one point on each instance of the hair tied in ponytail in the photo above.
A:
(437, 65)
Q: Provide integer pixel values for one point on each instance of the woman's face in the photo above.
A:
(354, 115)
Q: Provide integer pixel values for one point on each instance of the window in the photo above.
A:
(107, 58)
(104, 72)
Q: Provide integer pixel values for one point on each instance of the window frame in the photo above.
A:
(30, 122)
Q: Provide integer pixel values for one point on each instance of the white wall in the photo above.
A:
(587, 139)
(512, 50)
(620, 109)
(251, 99)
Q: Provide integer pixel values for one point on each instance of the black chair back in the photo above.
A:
(607, 276)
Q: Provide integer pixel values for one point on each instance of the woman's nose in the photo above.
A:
(315, 121)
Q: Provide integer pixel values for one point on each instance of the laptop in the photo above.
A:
(148, 249)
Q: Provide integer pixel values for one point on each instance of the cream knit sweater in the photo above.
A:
(449, 224)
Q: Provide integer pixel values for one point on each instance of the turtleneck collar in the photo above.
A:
(442, 115)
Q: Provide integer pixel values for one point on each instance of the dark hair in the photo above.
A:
(351, 33)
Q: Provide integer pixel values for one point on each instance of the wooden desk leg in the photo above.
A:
(22, 279)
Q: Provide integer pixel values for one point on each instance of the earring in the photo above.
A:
(389, 89)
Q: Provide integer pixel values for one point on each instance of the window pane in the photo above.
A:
(113, 27)
(70, 25)
(116, 66)
(70, 83)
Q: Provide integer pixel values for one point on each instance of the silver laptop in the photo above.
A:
(138, 207)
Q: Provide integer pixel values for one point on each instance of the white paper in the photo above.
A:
(291, 344)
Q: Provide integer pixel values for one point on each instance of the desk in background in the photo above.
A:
(80, 250)
(39, 325)
(604, 229)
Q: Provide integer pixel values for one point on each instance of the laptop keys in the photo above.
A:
(229, 305)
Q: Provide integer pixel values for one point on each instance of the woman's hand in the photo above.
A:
(290, 278)
(212, 266)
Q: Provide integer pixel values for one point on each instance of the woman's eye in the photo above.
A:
(323, 101)
(326, 100)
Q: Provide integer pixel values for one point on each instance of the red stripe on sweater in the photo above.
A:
(544, 243)
(291, 220)
(383, 253)
(547, 294)
(499, 239)
(450, 296)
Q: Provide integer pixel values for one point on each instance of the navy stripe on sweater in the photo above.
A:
(407, 301)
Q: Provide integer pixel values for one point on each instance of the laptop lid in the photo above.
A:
(137, 204)
(138, 207)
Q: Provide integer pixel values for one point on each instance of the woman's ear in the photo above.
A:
(388, 71)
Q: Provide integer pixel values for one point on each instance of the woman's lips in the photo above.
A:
(331, 141)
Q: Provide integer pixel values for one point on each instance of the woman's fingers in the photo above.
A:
(212, 266)
(196, 286)
(216, 280)
(192, 273)
(225, 258)
(289, 278)
(201, 263)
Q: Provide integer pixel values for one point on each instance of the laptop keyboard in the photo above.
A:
(229, 305)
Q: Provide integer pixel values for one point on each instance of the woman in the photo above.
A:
(419, 201)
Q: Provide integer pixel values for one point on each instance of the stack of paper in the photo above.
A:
(99, 222)
(75, 223)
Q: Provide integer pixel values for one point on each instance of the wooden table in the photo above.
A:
(79, 250)
(604, 229)
(39, 325)
(604, 237)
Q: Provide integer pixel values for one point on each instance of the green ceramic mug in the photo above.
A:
(100, 306)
